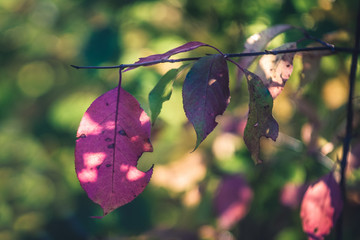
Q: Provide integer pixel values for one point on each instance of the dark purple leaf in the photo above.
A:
(113, 134)
(206, 94)
(157, 57)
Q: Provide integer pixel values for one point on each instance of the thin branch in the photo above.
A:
(229, 55)
(123, 66)
(349, 121)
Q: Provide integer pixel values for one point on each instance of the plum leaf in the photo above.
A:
(206, 94)
(164, 56)
(232, 200)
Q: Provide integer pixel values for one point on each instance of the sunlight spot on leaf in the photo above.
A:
(253, 38)
(133, 174)
(144, 119)
(212, 81)
(88, 175)
(94, 159)
(109, 125)
(134, 138)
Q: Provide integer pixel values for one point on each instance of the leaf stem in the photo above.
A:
(228, 55)
(349, 121)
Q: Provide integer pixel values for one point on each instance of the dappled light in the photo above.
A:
(213, 193)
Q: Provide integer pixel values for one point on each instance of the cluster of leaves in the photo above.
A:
(115, 131)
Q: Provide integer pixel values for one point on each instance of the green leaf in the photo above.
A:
(161, 93)
(260, 120)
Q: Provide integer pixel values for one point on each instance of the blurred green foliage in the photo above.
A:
(42, 100)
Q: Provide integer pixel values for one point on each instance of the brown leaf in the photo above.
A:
(275, 70)
(257, 42)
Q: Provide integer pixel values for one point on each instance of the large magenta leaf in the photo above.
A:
(232, 200)
(206, 94)
(156, 57)
(258, 41)
(260, 120)
(321, 207)
(113, 134)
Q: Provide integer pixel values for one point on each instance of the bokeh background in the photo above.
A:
(42, 100)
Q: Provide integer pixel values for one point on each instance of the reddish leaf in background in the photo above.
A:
(232, 200)
(291, 194)
(260, 121)
(275, 70)
(257, 43)
(108, 148)
(164, 56)
(321, 207)
(206, 94)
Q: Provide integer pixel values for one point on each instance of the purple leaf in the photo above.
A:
(260, 120)
(113, 134)
(206, 94)
(257, 43)
(157, 57)
(232, 200)
(291, 194)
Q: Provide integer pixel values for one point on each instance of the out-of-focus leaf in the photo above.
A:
(206, 94)
(234, 124)
(275, 70)
(232, 200)
(102, 46)
(260, 120)
(156, 57)
(353, 158)
(321, 207)
(161, 93)
(257, 42)
(291, 194)
(311, 65)
(113, 134)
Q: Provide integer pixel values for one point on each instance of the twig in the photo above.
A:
(229, 55)
(349, 121)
